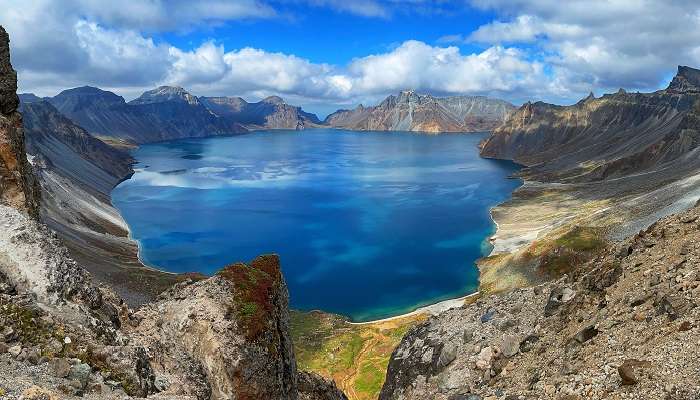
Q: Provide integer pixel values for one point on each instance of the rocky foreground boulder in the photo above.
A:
(624, 326)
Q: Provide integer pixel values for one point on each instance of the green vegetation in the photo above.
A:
(582, 238)
(26, 322)
(572, 249)
(355, 356)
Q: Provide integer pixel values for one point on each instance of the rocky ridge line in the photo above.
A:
(410, 111)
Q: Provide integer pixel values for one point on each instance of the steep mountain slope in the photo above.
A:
(164, 113)
(76, 173)
(270, 113)
(410, 111)
(623, 326)
(612, 136)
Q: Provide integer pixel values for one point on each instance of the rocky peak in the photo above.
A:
(276, 100)
(164, 94)
(409, 96)
(687, 79)
(237, 326)
(85, 97)
(29, 98)
(8, 77)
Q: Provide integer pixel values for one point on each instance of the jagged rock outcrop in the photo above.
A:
(624, 325)
(410, 111)
(164, 113)
(269, 113)
(17, 183)
(227, 337)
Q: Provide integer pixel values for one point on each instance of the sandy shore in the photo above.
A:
(432, 309)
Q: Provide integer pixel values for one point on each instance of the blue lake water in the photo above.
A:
(367, 224)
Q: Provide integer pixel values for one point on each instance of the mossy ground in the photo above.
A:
(255, 286)
(355, 356)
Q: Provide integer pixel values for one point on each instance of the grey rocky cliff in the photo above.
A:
(612, 136)
(77, 173)
(410, 111)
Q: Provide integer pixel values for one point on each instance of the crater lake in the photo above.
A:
(367, 224)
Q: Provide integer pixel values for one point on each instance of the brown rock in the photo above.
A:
(685, 326)
(38, 393)
(60, 367)
(628, 370)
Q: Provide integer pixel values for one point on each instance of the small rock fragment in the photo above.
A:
(488, 316)
(586, 334)
(60, 367)
(15, 350)
(528, 343)
(509, 346)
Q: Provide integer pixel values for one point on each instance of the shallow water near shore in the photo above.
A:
(367, 224)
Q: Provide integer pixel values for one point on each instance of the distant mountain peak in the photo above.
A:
(85, 97)
(27, 98)
(88, 91)
(687, 79)
(273, 100)
(411, 111)
(163, 94)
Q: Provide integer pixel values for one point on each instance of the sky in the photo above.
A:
(330, 54)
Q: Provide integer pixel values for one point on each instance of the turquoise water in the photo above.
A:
(368, 224)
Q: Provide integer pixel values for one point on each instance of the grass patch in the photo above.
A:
(354, 356)
(582, 238)
(570, 250)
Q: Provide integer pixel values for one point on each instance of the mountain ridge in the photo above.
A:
(410, 111)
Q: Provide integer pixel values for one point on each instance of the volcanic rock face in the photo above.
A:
(622, 326)
(164, 113)
(270, 113)
(410, 111)
(17, 183)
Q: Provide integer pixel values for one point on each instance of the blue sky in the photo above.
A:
(325, 35)
(329, 54)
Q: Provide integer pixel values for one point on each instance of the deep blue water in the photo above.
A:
(367, 224)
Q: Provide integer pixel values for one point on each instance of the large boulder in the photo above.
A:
(227, 336)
